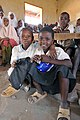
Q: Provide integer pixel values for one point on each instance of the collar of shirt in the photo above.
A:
(21, 48)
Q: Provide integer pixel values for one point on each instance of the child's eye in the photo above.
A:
(47, 39)
(28, 36)
(65, 18)
(40, 38)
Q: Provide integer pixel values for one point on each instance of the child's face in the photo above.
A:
(78, 23)
(6, 22)
(63, 21)
(45, 40)
(20, 23)
(26, 38)
(12, 16)
(1, 15)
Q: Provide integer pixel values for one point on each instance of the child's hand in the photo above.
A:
(36, 58)
(45, 58)
(53, 55)
(13, 64)
(58, 30)
(6, 38)
(52, 52)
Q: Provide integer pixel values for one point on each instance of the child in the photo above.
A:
(25, 49)
(8, 39)
(1, 18)
(76, 60)
(12, 19)
(19, 27)
(63, 27)
(58, 79)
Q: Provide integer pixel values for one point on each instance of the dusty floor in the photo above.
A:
(17, 107)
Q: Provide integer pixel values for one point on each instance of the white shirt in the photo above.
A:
(66, 43)
(18, 52)
(77, 29)
(61, 54)
(0, 22)
(71, 28)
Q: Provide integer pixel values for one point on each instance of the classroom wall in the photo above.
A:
(71, 6)
(17, 6)
(51, 10)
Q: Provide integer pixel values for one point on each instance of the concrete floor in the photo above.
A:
(17, 107)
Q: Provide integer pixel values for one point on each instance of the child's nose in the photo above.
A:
(44, 40)
(25, 38)
(63, 19)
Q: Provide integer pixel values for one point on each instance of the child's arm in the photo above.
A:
(52, 52)
(66, 62)
(59, 30)
(48, 59)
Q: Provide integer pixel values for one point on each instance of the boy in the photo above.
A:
(76, 60)
(64, 27)
(58, 79)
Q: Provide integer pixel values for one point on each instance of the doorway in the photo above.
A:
(33, 14)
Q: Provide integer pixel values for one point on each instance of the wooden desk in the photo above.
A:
(65, 36)
(61, 36)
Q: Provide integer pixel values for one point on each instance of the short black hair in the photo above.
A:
(19, 20)
(47, 29)
(66, 14)
(78, 19)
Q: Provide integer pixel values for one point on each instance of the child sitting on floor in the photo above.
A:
(59, 79)
(26, 49)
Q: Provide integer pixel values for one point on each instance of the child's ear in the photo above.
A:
(32, 37)
(69, 20)
(53, 41)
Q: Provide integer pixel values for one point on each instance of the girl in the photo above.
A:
(12, 19)
(8, 39)
(19, 27)
(1, 17)
(26, 49)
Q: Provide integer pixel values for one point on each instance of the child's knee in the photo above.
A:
(35, 83)
(63, 72)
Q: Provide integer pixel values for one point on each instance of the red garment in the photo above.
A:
(11, 41)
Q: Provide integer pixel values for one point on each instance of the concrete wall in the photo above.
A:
(50, 15)
(17, 6)
(71, 6)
